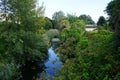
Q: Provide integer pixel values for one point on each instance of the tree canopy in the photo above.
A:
(87, 19)
(20, 40)
(113, 10)
(57, 17)
(101, 21)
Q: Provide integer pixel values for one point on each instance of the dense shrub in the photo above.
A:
(52, 33)
(87, 57)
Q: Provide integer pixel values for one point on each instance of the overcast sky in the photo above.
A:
(94, 8)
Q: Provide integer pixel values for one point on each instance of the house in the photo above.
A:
(91, 27)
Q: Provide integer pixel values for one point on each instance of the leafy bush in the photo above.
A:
(20, 46)
(9, 72)
(52, 33)
(87, 57)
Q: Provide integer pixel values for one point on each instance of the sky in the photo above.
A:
(94, 8)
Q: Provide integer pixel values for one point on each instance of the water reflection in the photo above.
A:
(52, 65)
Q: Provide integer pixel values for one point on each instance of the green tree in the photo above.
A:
(87, 57)
(44, 23)
(72, 18)
(81, 25)
(113, 10)
(69, 38)
(87, 19)
(101, 21)
(21, 41)
(40, 10)
(57, 17)
(48, 23)
(22, 12)
(93, 55)
(64, 24)
(52, 33)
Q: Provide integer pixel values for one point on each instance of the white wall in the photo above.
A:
(90, 29)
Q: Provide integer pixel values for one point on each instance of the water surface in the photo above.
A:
(52, 65)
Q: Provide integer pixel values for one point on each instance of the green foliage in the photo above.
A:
(80, 24)
(20, 39)
(64, 24)
(40, 10)
(96, 54)
(101, 21)
(87, 19)
(57, 17)
(45, 41)
(44, 23)
(72, 18)
(52, 33)
(87, 57)
(48, 24)
(9, 72)
(60, 20)
(27, 45)
(69, 38)
(113, 10)
(22, 11)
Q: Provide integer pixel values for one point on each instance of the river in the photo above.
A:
(52, 65)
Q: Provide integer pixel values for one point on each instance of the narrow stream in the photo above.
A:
(52, 65)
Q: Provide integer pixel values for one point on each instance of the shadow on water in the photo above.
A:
(43, 70)
(30, 70)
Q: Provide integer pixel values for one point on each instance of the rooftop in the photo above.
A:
(91, 26)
